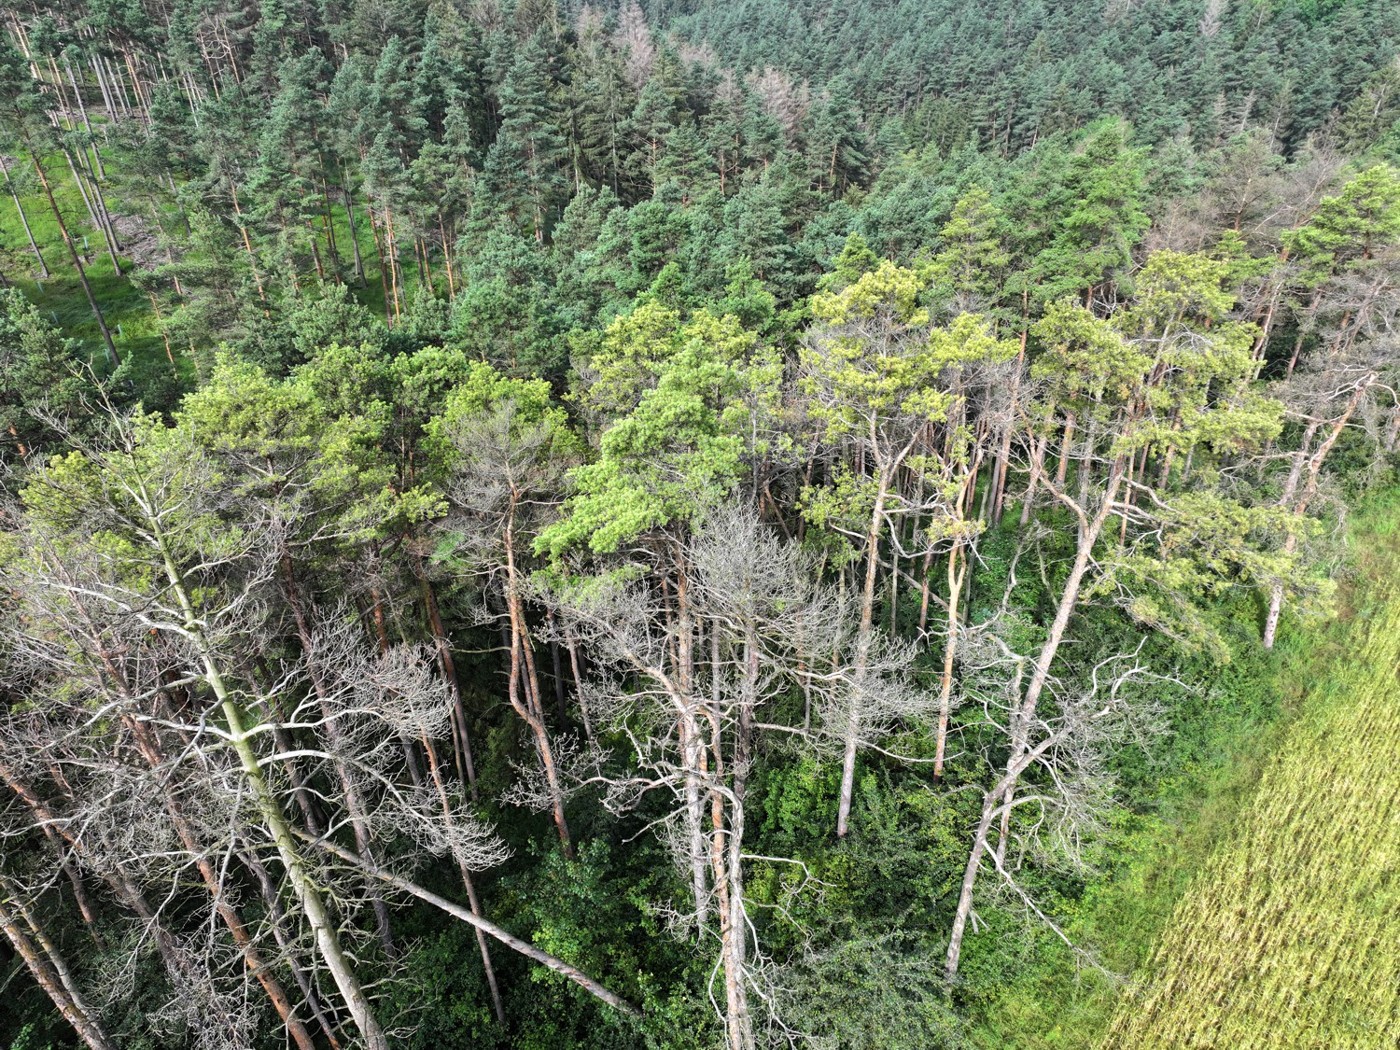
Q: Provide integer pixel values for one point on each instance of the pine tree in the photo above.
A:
(837, 152)
(525, 171)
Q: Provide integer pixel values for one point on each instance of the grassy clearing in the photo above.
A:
(129, 315)
(1188, 807)
(60, 296)
(1290, 935)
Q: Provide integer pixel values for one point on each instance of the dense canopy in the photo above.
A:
(690, 524)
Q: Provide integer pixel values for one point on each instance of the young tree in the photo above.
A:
(40, 372)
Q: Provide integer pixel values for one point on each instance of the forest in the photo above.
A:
(698, 524)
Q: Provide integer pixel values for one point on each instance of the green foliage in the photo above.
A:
(400, 280)
(41, 370)
(876, 992)
(1350, 226)
(682, 448)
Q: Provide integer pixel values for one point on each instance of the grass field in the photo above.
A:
(1289, 936)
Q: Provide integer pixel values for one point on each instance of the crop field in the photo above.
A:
(1290, 936)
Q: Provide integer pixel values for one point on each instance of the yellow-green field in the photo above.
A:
(1290, 935)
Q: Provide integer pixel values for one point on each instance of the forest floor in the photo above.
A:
(1257, 903)
(142, 229)
(59, 296)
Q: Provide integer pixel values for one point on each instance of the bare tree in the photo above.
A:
(1062, 753)
(757, 609)
(147, 598)
(510, 468)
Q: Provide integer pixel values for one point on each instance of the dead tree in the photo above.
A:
(757, 608)
(1060, 752)
(511, 460)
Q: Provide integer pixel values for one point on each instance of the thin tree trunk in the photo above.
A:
(213, 884)
(107, 100)
(248, 246)
(112, 358)
(1066, 447)
(864, 641)
(1003, 467)
(525, 948)
(392, 254)
(354, 803)
(728, 858)
(329, 219)
(129, 894)
(354, 237)
(435, 770)
(383, 275)
(1022, 716)
(81, 186)
(447, 259)
(24, 220)
(1037, 472)
(576, 668)
(980, 841)
(956, 573)
(1300, 506)
(521, 651)
(280, 933)
(692, 745)
(73, 1009)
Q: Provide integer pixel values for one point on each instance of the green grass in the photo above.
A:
(60, 296)
(1290, 934)
(128, 313)
(1187, 808)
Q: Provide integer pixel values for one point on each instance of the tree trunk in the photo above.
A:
(112, 358)
(354, 804)
(435, 770)
(392, 254)
(1066, 447)
(525, 948)
(980, 841)
(354, 237)
(1300, 506)
(576, 669)
(727, 853)
(521, 652)
(448, 665)
(956, 574)
(129, 894)
(692, 744)
(1021, 718)
(860, 667)
(304, 887)
(1037, 471)
(24, 220)
(51, 980)
(248, 246)
(283, 936)
(1003, 467)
